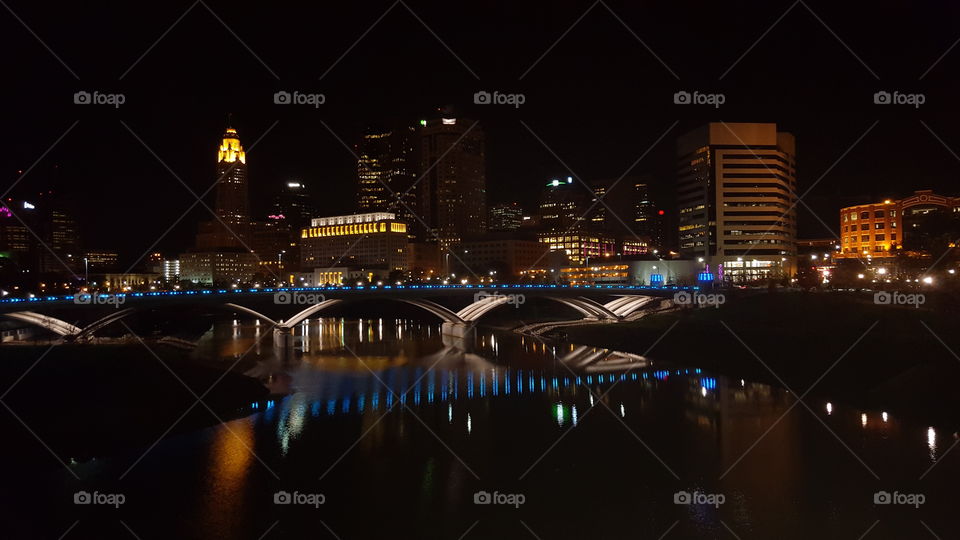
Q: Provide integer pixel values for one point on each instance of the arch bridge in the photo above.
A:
(591, 302)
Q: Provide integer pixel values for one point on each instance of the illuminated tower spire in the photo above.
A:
(232, 204)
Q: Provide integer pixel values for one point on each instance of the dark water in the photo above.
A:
(397, 429)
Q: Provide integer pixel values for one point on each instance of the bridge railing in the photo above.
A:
(364, 288)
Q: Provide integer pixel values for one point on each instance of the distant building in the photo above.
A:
(580, 247)
(633, 272)
(232, 197)
(452, 196)
(138, 281)
(736, 186)
(221, 268)
(879, 230)
(293, 205)
(423, 259)
(615, 205)
(232, 240)
(15, 238)
(231, 200)
(563, 205)
(374, 239)
(387, 168)
(40, 236)
(505, 217)
(171, 270)
(100, 260)
(502, 258)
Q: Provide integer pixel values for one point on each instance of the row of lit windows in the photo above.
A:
(866, 238)
(356, 228)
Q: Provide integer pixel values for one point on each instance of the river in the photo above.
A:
(388, 429)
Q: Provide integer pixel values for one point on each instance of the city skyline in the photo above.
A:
(408, 268)
(528, 143)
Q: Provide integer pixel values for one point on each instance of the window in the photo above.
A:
(865, 238)
(864, 215)
(878, 225)
(864, 226)
(878, 214)
(893, 236)
(878, 238)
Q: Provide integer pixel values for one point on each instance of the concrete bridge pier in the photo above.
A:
(458, 330)
(283, 338)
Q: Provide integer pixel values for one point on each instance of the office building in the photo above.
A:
(218, 268)
(452, 196)
(654, 273)
(376, 239)
(580, 247)
(500, 258)
(563, 205)
(880, 230)
(505, 217)
(736, 196)
(293, 205)
(387, 168)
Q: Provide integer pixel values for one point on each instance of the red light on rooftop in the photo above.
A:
(661, 212)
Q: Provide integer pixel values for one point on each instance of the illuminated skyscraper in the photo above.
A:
(232, 204)
(736, 197)
(224, 249)
(452, 197)
(563, 204)
(505, 216)
(294, 205)
(386, 170)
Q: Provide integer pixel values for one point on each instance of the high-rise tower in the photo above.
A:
(453, 193)
(386, 171)
(232, 203)
(736, 196)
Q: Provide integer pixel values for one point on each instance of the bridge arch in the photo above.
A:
(431, 307)
(55, 325)
(65, 329)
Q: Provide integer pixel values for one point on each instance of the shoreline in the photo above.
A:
(848, 350)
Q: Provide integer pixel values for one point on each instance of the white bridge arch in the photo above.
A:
(614, 310)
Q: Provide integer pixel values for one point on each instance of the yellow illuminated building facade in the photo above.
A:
(232, 204)
(580, 247)
(373, 240)
(877, 230)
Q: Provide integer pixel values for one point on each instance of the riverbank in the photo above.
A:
(902, 364)
(84, 401)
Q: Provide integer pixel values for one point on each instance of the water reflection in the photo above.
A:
(371, 405)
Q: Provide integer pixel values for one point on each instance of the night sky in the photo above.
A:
(599, 98)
